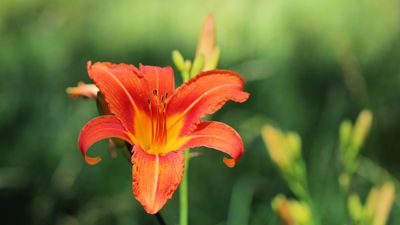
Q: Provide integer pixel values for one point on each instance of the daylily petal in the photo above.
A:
(83, 90)
(219, 136)
(97, 129)
(155, 177)
(204, 94)
(160, 79)
(122, 87)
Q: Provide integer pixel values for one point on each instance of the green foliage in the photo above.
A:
(285, 152)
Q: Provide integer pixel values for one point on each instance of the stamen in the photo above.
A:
(151, 118)
(163, 101)
(157, 108)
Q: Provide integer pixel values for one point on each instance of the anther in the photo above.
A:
(155, 92)
(148, 101)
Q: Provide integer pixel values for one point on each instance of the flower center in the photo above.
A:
(157, 109)
(155, 132)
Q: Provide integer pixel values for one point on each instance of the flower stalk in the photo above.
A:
(183, 193)
(183, 189)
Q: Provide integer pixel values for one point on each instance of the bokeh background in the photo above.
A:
(308, 65)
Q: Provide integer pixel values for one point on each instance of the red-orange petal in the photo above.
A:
(159, 79)
(205, 94)
(219, 136)
(155, 177)
(122, 88)
(97, 129)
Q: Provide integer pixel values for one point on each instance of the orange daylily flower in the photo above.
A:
(161, 121)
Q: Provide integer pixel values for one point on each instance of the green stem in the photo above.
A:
(183, 189)
(183, 192)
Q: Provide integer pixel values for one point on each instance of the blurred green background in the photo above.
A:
(308, 65)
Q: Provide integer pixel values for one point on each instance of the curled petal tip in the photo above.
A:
(218, 136)
(229, 162)
(92, 160)
(98, 129)
(242, 97)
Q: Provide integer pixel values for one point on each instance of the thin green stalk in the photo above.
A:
(183, 189)
(183, 192)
